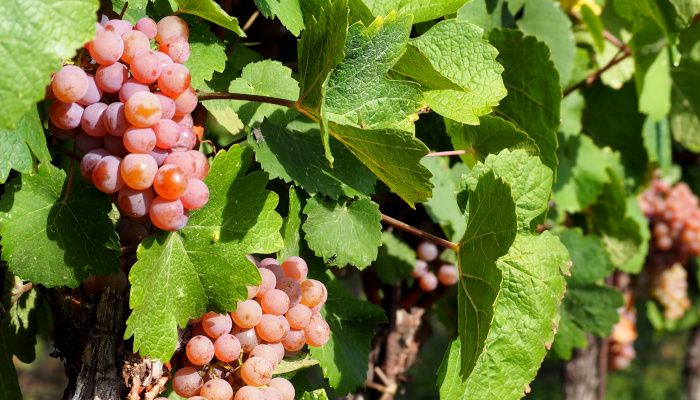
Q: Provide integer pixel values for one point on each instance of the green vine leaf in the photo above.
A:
(17, 146)
(395, 261)
(180, 275)
(207, 55)
(421, 10)
(443, 207)
(288, 12)
(37, 37)
(55, 231)
(211, 11)
(318, 394)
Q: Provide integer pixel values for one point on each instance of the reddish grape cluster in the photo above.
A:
(129, 110)
(624, 333)
(674, 215)
(233, 356)
(447, 274)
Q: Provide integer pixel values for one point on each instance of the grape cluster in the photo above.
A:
(233, 356)
(669, 287)
(447, 274)
(128, 107)
(624, 333)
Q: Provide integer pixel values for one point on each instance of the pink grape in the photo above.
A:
(131, 87)
(167, 214)
(164, 58)
(271, 328)
(146, 66)
(184, 120)
(114, 119)
(275, 302)
(427, 251)
(269, 281)
(201, 164)
(295, 268)
(184, 160)
(138, 170)
(317, 332)
(135, 203)
(186, 141)
(134, 42)
(313, 292)
(270, 393)
(91, 122)
(65, 115)
(106, 176)
(294, 341)
(283, 386)
(217, 389)
(187, 382)
(167, 105)
(89, 161)
(428, 282)
(172, 27)
(267, 352)
(272, 265)
(249, 393)
(159, 155)
(298, 316)
(196, 195)
(185, 102)
(110, 78)
(227, 348)
(200, 350)
(167, 132)
(256, 371)
(106, 48)
(292, 288)
(247, 314)
(118, 26)
(178, 50)
(69, 84)
(142, 109)
(447, 275)
(420, 268)
(279, 349)
(99, 28)
(85, 143)
(170, 182)
(247, 337)
(93, 93)
(139, 140)
(216, 325)
(174, 79)
(252, 291)
(115, 145)
(147, 26)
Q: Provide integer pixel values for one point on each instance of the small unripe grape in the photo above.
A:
(187, 382)
(217, 389)
(428, 282)
(447, 275)
(247, 314)
(256, 371)
(106, 176)
(227, 348)
(284, 387)
(292, 288)
(275, 302)
(200, 350)
(295, 268)
(110, 78)
(313, 293)
(172, 28)
(427, 251)
(91, 121)
(216, 325)
(294, 341)
(135, 203)
(298, 316)
(65, 115)
(142, 109)
(147, 26)
(249, 393)
(139, 140)
(174, 79)
(317, 332)
(170, 182)
(134, 42)
(69, 84)
(106, 48)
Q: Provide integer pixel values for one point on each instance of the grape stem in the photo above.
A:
(202, 96)
(622, 55)
(419, 233)
(446, 153)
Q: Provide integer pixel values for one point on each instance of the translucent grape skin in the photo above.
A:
(283, 386)
(138, 170)
(196, 196)
(170, 28)
(295, 268)
(428, 282)
(167, 106)
(427, 251)
(200, 350)
(227, 348)
(448, 275)
(275, 302)
(110, 78)
(174, 79)
(249, 393)
(187, 382)
(178, 50)
(268, 281)
(256, 371)
(247, 337)
(292, 288)
(139, 140)
(135, 203)
(313, 293)
(167, 214)
(201, 164)
(134, 42)
(142, 109)
(166, 131)
(216, 325)
(317, 332)
(298, 316)
(65, 115)
(106, 48)
(69, 84)
(247, 314)
(271, 328)
(93, 93)
(217, 389)
(186, 102)
(184, 160)
(89, 161)
(91, 121)
(106, 176)
(185, 141)
(170, 182)
(294, 341)
(147, 26)
(146, 67)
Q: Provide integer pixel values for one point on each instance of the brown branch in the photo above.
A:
(606, 34)
(446, 153)
(591, 78)
(251, 20)
(419, 233)
(245, 97)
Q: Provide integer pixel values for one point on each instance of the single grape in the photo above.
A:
(227, 348)
(135, 203)
(279, 349)
(178, 50)
(295, 268)
(110, 78)
(114, 120)
(91, 122)
(186, 141)
(201, 164)
(270, 393)
(447, 275)
(217, 389)
(85, 143)
(139, 140)
(420, 268)
(118, 26)
(69, 84)
(159, 155)
(216, 325)
(106, 48)
(196, 195)
(247, 337)
(93, 93)
(106, 176)
(249, 393)
(138, 170)
(272, 265)
(65, 115)
(142, 109)
(313, 293)
(294, 341)
(267, 352)
(134, 42)
(174, 79)
(146, 66)
(131, 87)
(90, 160)
(170, 28)
(256, 371)
(167, 105)
(427, 251)
(317, 332)
(283, 386)
(269, 281)
(247, 314)
(115, 145)
(200, 350)
(185, 121)
(182, 159)
(167, 214)
(170, 182)
(167, 132)
(428, 282)
(275, 302)
(292, 288)
(185, 102)
(164, 58)
(271, 328)
(298, 316)
(147, 26)
(187, 382)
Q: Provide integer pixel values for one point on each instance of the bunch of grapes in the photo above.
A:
(447, 274)
(233, 356)
(624, 333)
(669, 287)
(128, 107)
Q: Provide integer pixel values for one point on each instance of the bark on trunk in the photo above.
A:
(692, 365)
(582, 373)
